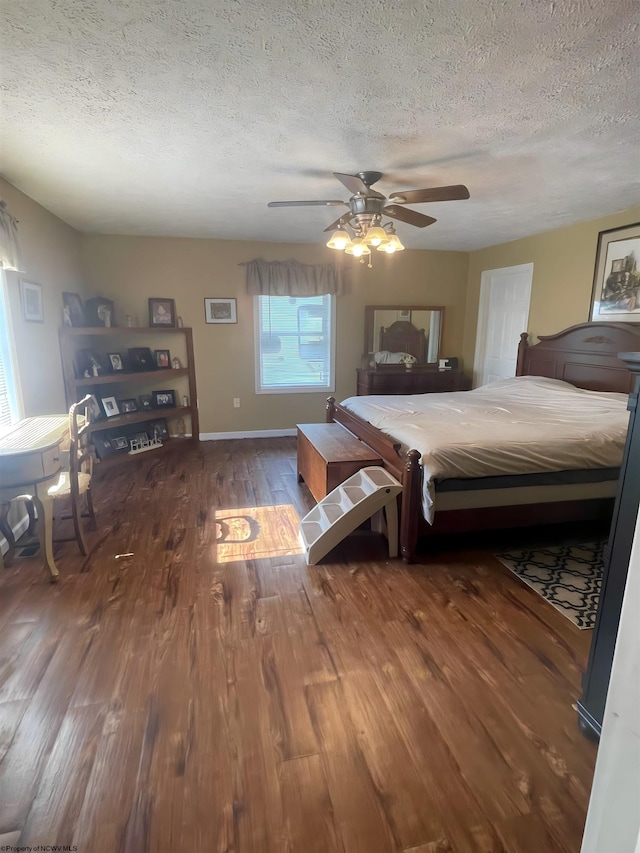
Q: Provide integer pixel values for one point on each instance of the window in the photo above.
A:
(294, 343)
(9, 409)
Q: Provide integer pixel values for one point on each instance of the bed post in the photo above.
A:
(331, 408)
(410, 510)
(522, 349)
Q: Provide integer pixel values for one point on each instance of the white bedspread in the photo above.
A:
(523, 425)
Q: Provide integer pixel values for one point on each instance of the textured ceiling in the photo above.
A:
(185, 118)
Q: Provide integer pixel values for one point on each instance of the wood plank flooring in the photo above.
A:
(212, 692)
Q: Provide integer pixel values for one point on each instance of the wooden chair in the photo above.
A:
(75, 483)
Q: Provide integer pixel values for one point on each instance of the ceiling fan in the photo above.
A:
(367, 207)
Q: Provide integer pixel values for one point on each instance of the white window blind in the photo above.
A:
(8, 396)
(294, 343)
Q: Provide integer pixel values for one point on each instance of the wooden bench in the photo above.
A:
(328, 454)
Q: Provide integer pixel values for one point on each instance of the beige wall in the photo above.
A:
(50, 252)
(563, 264)
(131, 269)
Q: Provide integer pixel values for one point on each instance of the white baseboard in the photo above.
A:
(254, 433)
(18, 529)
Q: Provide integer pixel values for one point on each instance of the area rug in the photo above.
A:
(568, 576)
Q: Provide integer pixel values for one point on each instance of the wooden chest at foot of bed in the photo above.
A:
(327, 455)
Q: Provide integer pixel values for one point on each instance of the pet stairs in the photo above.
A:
(367, 492)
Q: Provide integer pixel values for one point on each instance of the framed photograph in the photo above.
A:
(99, 312)
(616, 281)
(158, 429)
(127, 406)
(145, 401)
(32, 307)
(162, 312)
(94, 410)
(140, 358)
(89, 363)
(72, 310)
(115, 361)
(120, 443)
(220, 311)
(163, 358)
(163, 399)
(405, 314)
(110, 406)
(102, 444)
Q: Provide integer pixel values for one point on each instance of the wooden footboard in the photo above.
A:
(405, 467)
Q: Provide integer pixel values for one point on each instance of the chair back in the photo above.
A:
(80, 446)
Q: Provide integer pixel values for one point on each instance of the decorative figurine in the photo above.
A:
(182, 429)
(95, 369)
(175, 363)
(185, 400)
(179, 323)
(129, 321)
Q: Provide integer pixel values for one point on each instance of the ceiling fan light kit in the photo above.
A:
(366, 209)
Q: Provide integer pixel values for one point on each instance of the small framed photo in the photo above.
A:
(72, 310)
(120, 443)
(99, 311)
(616, 280)
(110, 406)
(102, 444)
(94, 410)
(89, 363)
(162, 312)
(163, 358)
(32, 307)
(115, 361)
(163, 399)
(140, 358)
(158, 429)
(127, 406)
(220, 311)
(404, 314)
(145, 401)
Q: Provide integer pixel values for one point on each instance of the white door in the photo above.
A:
(503, 315)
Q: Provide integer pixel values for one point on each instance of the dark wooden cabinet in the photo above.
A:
(396, 379)
(595, 682)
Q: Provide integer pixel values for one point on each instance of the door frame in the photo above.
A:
(483, 313)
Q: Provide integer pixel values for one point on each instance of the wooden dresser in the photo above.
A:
(396, 379)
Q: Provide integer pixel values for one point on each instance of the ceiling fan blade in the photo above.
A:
(453, 193)
(344, 219)
(329, 202)
(404, 214)
(352, 182)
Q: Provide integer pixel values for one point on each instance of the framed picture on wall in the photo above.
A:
(32, 306)
(220, 311)
(616, 281)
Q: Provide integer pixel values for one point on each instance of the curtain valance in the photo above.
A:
(9, 249)
(291, 278)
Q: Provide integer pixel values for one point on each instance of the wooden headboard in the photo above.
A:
(402, 336)
(585, 355)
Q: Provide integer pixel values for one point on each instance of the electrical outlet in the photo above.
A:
(236, 402)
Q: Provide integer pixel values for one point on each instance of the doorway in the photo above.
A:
(503, 315)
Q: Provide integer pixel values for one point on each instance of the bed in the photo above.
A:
(530, 490)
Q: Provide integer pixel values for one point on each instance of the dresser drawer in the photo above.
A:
(28, 468)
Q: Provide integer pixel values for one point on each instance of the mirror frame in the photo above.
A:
(369, 315)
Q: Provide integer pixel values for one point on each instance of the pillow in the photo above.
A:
(386, 357)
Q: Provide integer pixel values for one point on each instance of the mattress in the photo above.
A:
(524, 425)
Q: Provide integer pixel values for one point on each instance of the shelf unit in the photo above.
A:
(98, 339)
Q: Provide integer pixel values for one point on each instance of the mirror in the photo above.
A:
(415, 329)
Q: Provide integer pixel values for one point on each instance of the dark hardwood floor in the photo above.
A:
(193, 685)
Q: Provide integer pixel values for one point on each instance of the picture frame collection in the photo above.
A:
(118, 440)
(99, 311)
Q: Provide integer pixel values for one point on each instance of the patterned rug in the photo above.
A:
(568, 576)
